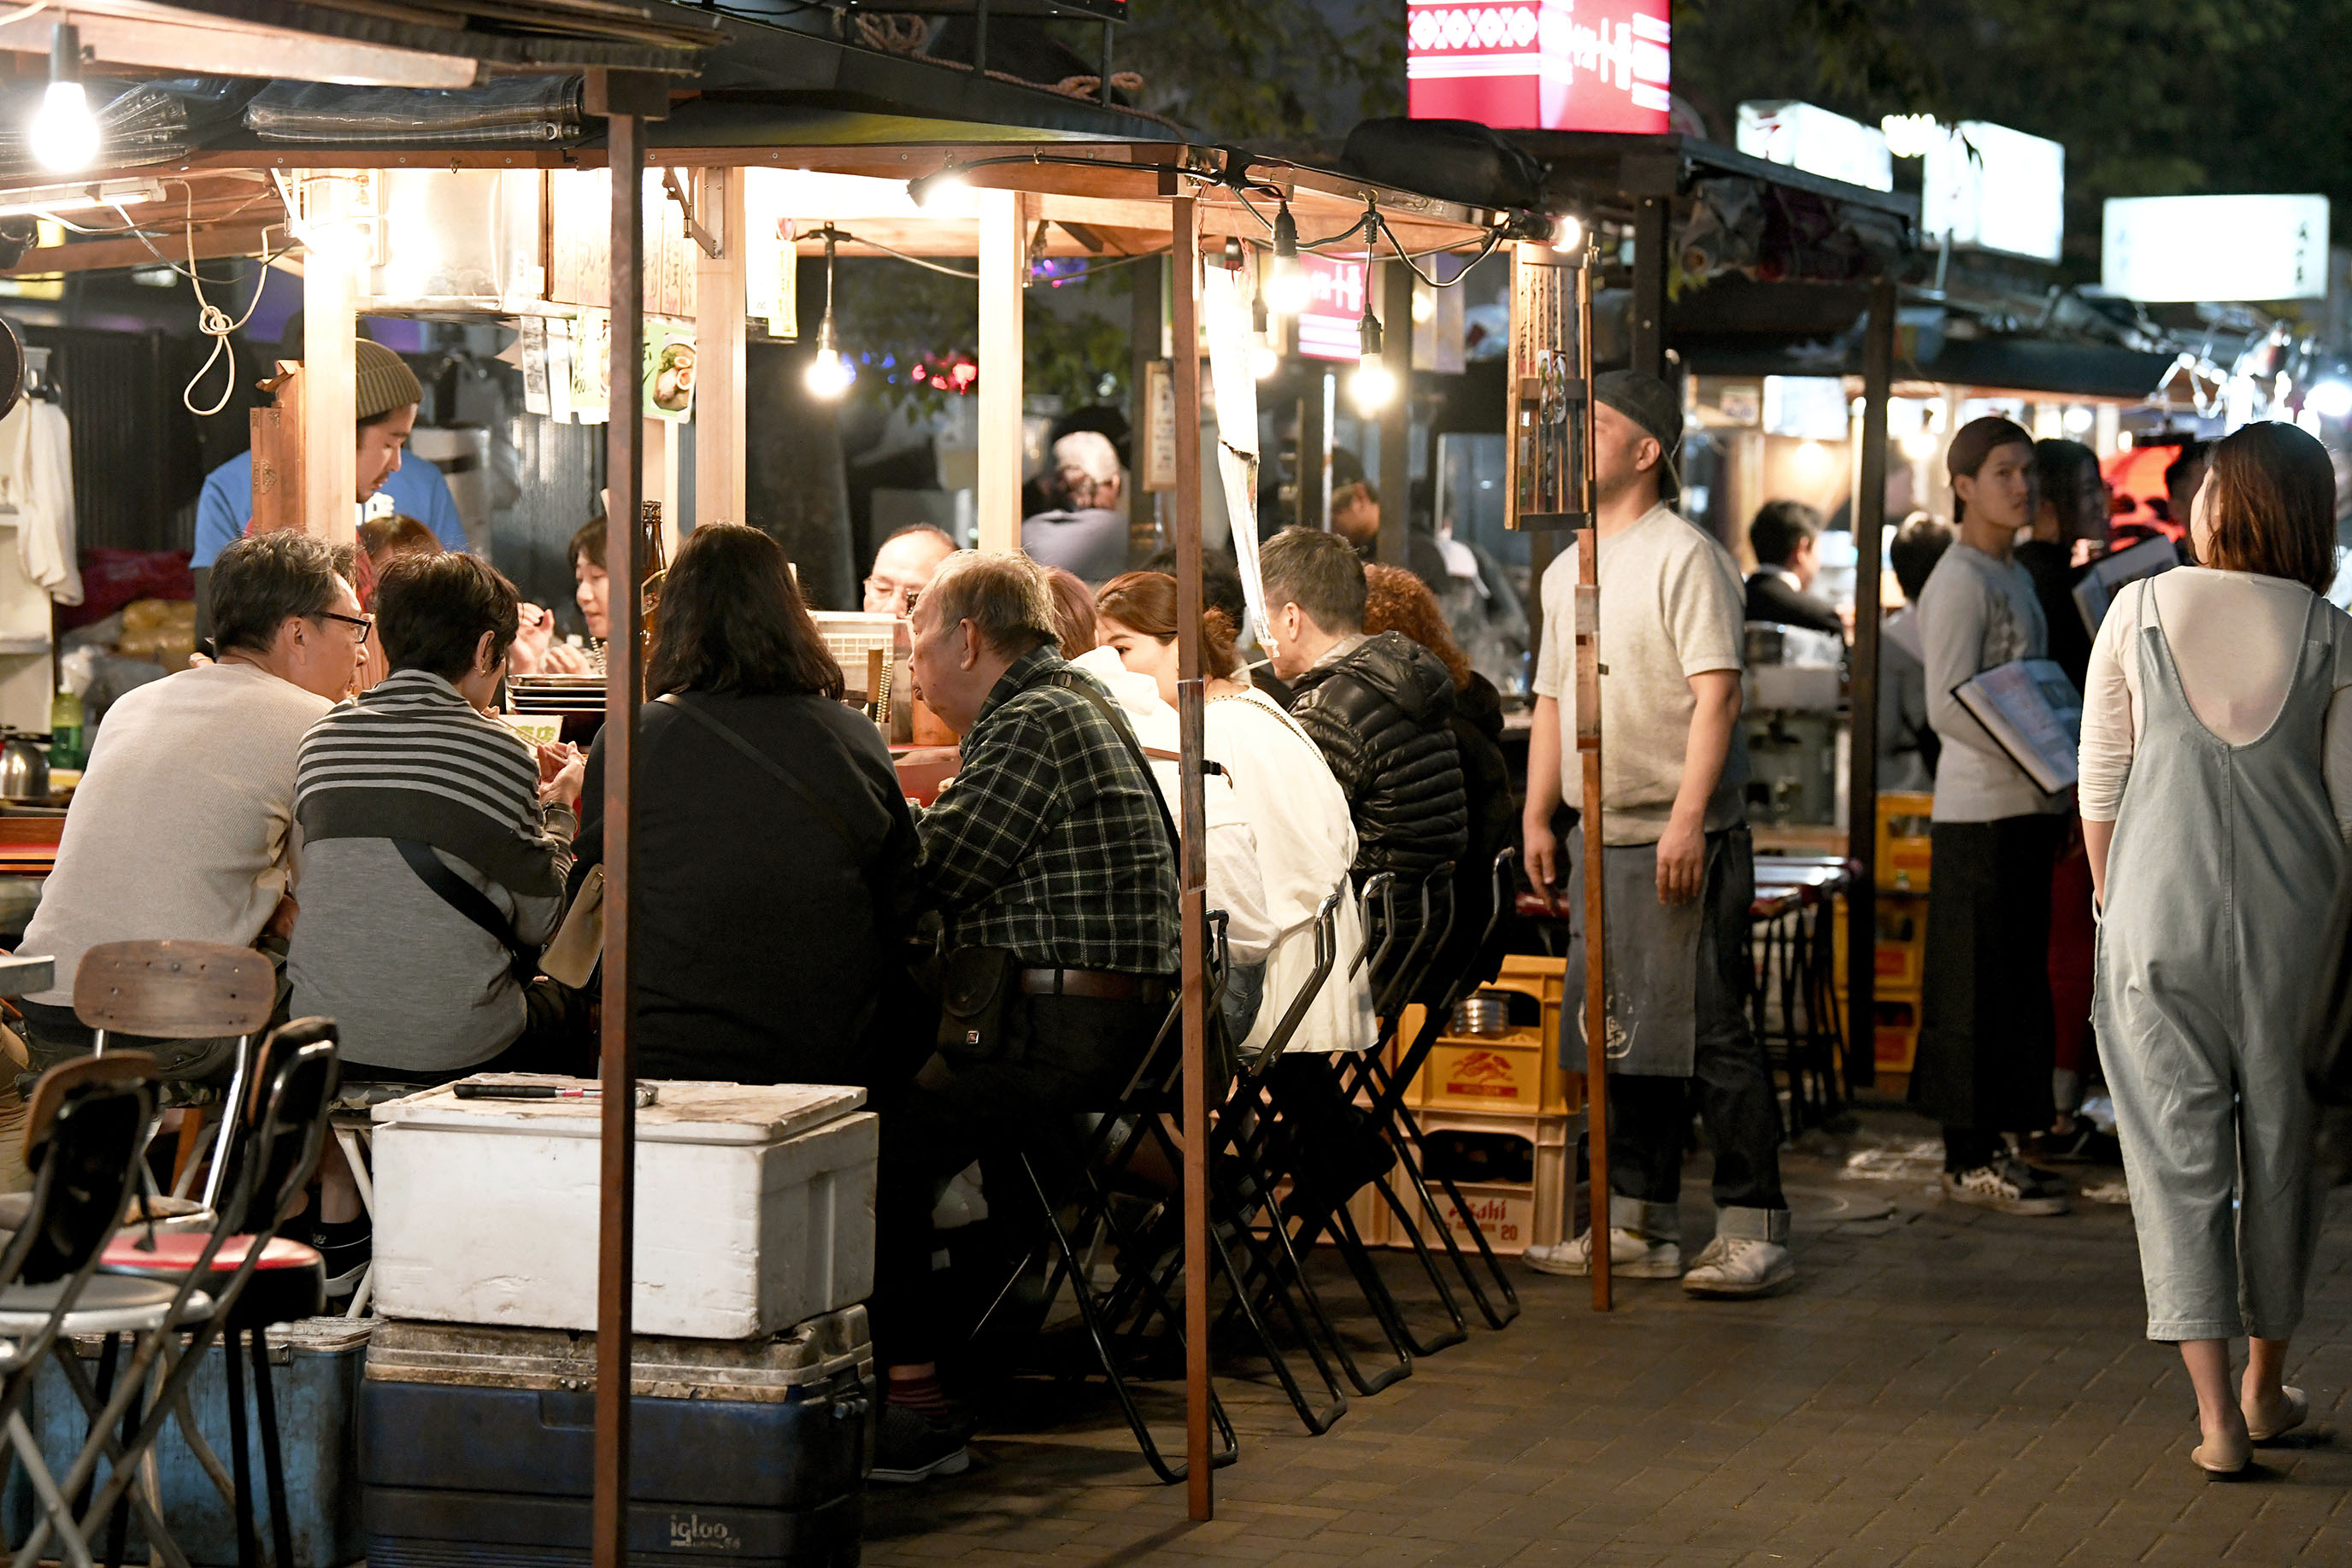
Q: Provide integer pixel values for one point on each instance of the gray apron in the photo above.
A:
(2224, 862)
(1653, 965)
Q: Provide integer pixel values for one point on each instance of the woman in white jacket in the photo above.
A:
(1306, 838)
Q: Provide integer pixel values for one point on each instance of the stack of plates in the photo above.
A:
(557, 693)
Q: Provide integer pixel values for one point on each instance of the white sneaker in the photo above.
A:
(2008, 1187)
(1631, 1253)
(1737, 1266)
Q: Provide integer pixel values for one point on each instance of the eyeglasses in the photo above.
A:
(899, 596)
(364, 624)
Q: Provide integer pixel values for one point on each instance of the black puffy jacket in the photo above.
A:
(1381, 715)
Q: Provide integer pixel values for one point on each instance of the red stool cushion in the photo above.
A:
(289, 1281)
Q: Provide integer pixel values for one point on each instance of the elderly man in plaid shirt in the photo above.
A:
(1050, 860)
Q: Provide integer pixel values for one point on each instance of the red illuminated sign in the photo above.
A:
(1331, 326)
(1539, 65)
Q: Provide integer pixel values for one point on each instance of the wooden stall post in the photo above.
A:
(627, 99)
(1588, 745)
(1200, 1493)
(1004, 257)
(330, 303)
(719, 297)
(1395, 283)
(1862, 783)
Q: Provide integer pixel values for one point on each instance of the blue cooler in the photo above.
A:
(476, 1446)
(314, 1381)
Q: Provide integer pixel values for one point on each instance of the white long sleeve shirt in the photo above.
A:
(2235, 638)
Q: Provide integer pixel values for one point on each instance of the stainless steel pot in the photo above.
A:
(23, 770)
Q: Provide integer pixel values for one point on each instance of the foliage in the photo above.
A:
(1253, 69)
(895, 317)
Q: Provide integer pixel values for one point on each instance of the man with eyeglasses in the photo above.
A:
(182, 827)
(904, 567)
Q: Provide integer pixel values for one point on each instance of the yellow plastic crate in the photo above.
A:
(1904, 822)
(1514, 1073)
(1514, 1216)
(1901, 958)
(1896, 1038)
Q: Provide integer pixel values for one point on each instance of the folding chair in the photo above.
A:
(86, 1138)
(276, 1127)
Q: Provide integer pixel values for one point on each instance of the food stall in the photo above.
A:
(678, 215)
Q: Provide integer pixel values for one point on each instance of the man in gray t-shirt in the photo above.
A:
(1677, 863)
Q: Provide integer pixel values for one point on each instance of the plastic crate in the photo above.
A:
(1514, 1216)
(1516, 1074)
(1901, 958)
(1895, 1037)
(1903, 822)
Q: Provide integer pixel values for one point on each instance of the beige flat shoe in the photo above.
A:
(2228, 1457)
(2265, 1425)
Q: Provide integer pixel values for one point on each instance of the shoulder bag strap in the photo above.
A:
(766, 764)
(1081, 685)
(470, 902)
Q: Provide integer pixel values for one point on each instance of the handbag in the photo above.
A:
(579, 945)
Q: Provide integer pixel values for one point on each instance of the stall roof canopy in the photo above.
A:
(438, 44)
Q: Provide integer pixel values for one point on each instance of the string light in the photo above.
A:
(1374, 384)
(932, 191)
(1288, 289)
(1568, 234)
(64, 133)
(830, 372)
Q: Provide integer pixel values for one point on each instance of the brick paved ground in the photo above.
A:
(1946, 1387)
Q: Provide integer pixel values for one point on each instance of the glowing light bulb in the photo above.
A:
(934, 192)
(1263, 360)
(829, 373)
(2330, 399)
(1568, 234)
(1373, 386)
(1288, 290)
(1919, 445)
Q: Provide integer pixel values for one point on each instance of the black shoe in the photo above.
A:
(347, 1247)
(911, 1446)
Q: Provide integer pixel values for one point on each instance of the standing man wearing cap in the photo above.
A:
(384, 397)
(1088, 537)
(1987, 1037)
(1679, 864)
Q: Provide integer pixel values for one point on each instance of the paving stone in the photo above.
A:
(1944, 1389)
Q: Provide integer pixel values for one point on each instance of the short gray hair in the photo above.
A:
(1007, 597)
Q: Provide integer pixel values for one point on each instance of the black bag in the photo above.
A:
(2328, 1025)
(976, 989)
(522, 957)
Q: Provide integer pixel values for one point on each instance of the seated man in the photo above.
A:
(1377, 707)
(435, 855)
(183, 826)
(1088, 535)
(1048, 859)
(903, 569)
(1780, 590)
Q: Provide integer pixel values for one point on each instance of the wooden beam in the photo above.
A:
(1002, 264)
(719, 299)
(330, 479)
(1587, 624)
(166, 37)
(1198, 1474)
(93, 255)
(1862, 784)
(624, 436)
(1395, 478)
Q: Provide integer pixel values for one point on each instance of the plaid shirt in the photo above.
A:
(1048, 840)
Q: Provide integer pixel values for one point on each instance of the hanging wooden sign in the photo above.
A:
(1548, 387)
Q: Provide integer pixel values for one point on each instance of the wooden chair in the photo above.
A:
(181, 990)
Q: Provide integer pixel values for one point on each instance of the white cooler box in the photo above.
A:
(754, 1212)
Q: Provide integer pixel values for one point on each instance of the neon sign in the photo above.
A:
(1539, 65)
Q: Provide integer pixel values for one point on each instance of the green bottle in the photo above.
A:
(65, 731)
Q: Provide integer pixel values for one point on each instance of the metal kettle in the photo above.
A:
(24, 769)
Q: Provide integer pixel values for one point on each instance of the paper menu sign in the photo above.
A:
(2033, 711)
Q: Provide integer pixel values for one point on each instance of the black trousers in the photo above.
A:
(1062, 1055)
(1988, 1038)
(555, 1038)
(1649, 1117)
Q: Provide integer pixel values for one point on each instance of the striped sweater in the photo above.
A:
(411, 982)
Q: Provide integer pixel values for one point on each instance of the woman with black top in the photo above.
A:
(776, 869)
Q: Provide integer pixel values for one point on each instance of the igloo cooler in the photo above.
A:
(754, 1212)
(476, 1446)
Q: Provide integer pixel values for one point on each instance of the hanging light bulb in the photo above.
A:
(1263, 360)
(1568, 233)
(830, 372)
(1288, 289)
(1373, 384)
(934, 191)
(64, 133)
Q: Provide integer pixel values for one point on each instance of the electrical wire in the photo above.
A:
(1494, 238)
(845, 237)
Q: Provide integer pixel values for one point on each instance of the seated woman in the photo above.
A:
(1306, 838)
(434, 848)
(775, 871)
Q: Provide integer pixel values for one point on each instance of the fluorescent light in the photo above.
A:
(78, 198)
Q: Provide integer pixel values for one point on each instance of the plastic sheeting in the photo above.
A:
(534, 110)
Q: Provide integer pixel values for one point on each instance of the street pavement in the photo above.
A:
(1945, 1388)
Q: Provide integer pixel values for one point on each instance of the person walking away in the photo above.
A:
(2216, 797)
(775, 883)
(1986, 1034)
(1677, 858)
(1907, 746)
(1784, 535)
